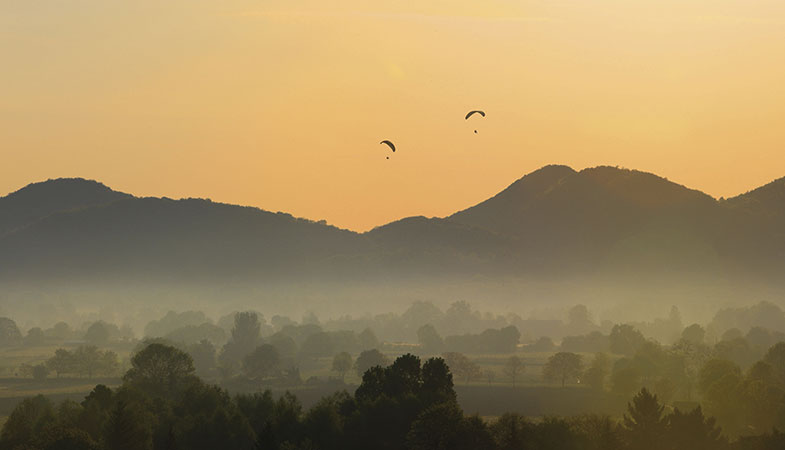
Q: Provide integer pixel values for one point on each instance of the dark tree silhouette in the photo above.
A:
(160, 369)
(644, 426)
(128, 428)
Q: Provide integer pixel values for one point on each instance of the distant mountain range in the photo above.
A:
(555, 222)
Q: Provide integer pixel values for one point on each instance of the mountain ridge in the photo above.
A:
(554, 221)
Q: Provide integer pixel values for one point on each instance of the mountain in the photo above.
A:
(579, 219)
(160, 238)
(555, 222)
(39, 200)
(754, 229)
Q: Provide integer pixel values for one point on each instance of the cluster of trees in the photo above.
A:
(503, 340)
(95, 333)
(409, 404)
(276, 357)
(460, 319)
(85, 361)
(744, 400)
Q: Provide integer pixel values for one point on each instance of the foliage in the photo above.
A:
(264, 362)
(86, 361)
(462, 367)
(9, 332)
(160, 369)
(513, 367)
(368, 359)
(563, 366)
(342, 363)
(625, 340)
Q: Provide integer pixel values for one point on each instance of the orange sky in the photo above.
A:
(282, 104)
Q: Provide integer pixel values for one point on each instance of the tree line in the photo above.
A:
(408, 404)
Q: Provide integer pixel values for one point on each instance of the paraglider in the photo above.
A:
(390, 144)
(476, 111)
(471, 113)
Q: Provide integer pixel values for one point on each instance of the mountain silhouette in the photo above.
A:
(39, 200)
(570, 218)
(554, 222)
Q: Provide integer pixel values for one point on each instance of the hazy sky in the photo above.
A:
(281, 104)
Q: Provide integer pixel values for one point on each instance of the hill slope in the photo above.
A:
(554, 222)
(39, 200)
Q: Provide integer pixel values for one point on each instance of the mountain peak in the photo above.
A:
(643, 188)
(71, 184)
(38, 200)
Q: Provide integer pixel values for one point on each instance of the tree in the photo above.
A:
(429, 339)
(444, 417)
(40, 372)
(318, 345)
(35, 336)
(714, 371)
(462, 367)
(97, 334)
(285, 345)
(367, 339)
(128, 428)
(368, 359)
(597, 372)
(159, 369)
(511, 431)
(694, 333)
(87, 358)
(192, 334)
(625, 340)
(62, 362)
(245, 336)
(61, 331)
(437, 381)
(455, 432)
(513, 367)
(650, 359)
(597, 432)
(27, 420)
(775, 357)
(563, 366)
(59, 438)
(625, 379)
(579, 319)
(404, 376)
(342, 362)
(9, 332)
(203, 354)
(685, 361)
(543, 344)
(644, 426)
(262, 363)
(693, 431)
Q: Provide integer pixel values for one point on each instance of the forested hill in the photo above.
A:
(553, 222)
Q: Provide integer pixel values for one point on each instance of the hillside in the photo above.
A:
(576, 219)
(39, 200)
(159, 238)
(554, 222)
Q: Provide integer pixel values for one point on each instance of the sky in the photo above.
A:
(281, 104)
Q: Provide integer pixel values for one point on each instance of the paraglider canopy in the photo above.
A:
(471, 113)
(389, 144)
